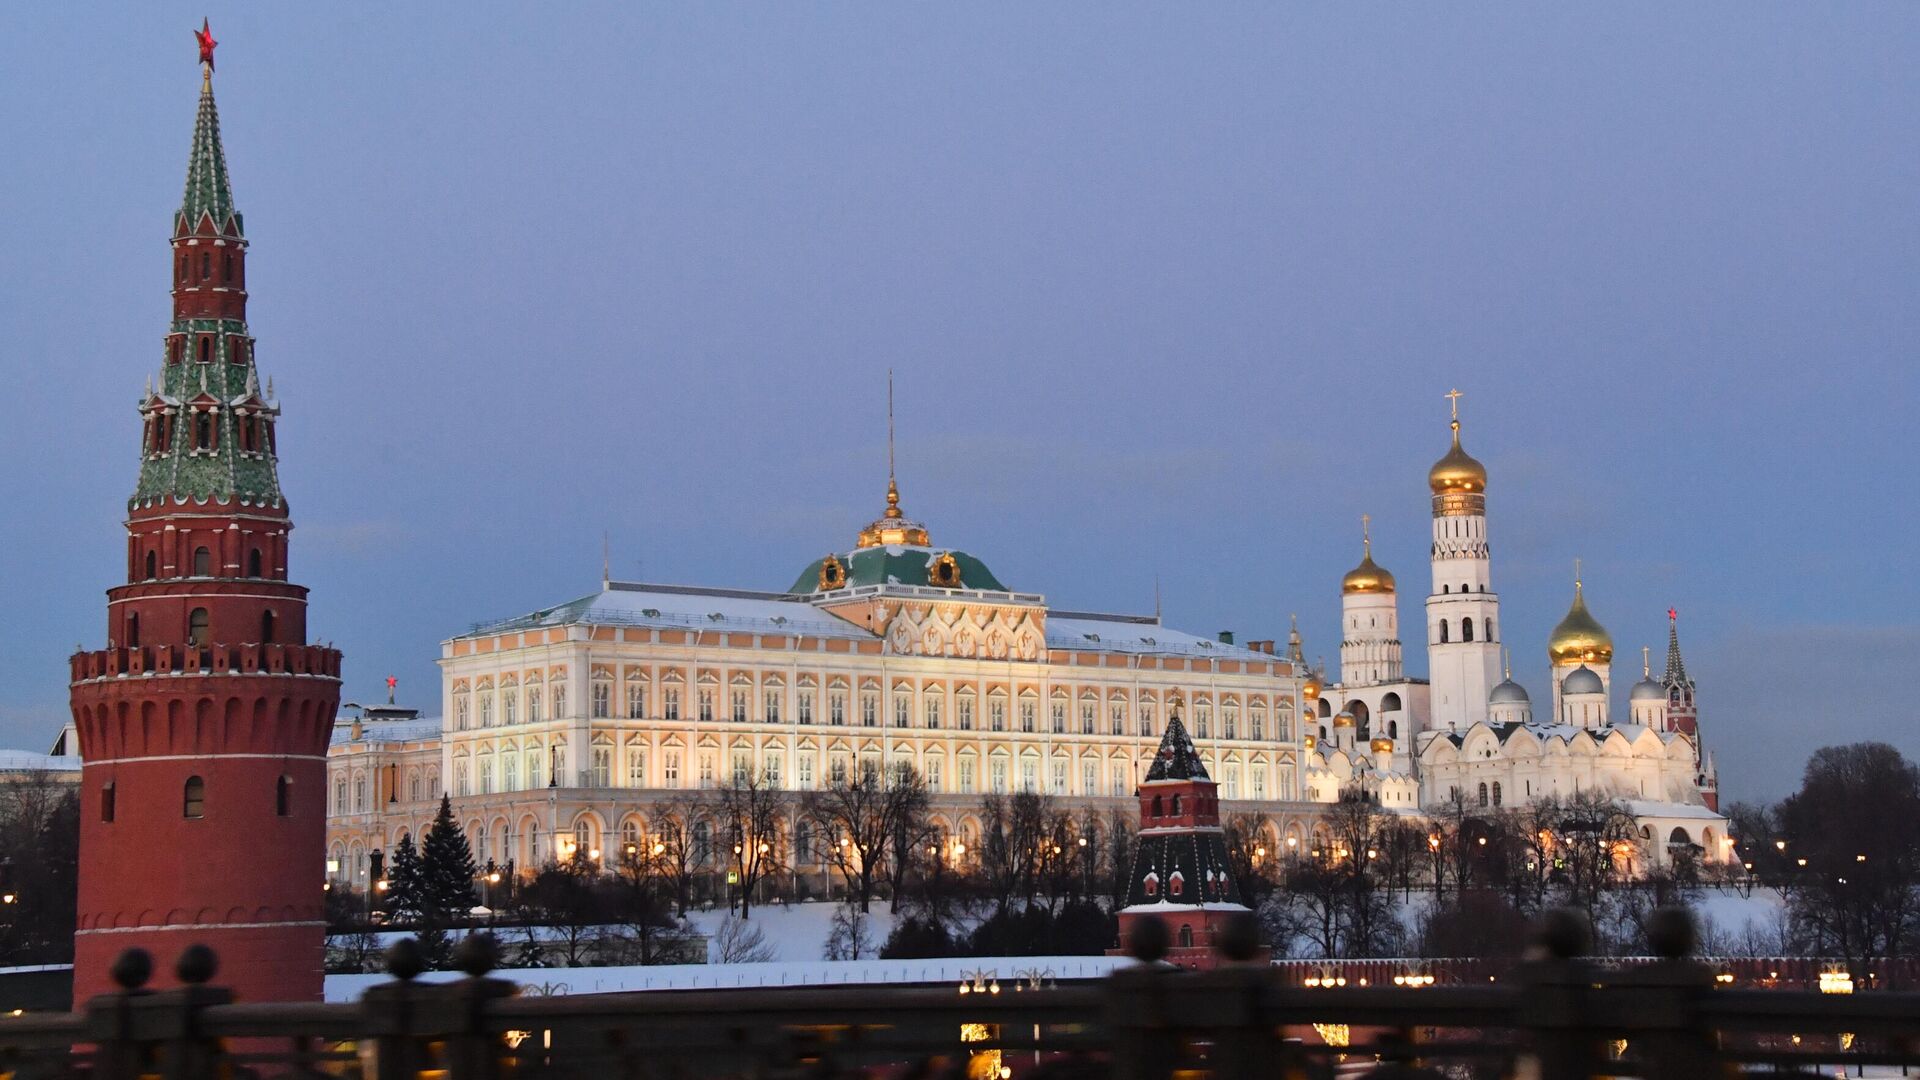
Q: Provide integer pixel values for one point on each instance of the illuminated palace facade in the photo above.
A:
(568, 728)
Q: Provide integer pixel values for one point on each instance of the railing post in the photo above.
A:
(1673, 1041)
(1244, 1044)
(393, 1049)
(474, 1048)
(1145, 1045)
(1555, 986)
(189, 1053)
(118, 1053)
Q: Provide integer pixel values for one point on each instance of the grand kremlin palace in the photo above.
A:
(567, 727)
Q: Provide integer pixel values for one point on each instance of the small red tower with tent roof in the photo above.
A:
(204, 723)
(1181, 875)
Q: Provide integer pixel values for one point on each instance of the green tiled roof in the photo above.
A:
(209, 192)
(897, 565)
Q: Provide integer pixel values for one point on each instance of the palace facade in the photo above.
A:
(567, 728)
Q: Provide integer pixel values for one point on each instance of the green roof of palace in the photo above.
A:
(897, 564)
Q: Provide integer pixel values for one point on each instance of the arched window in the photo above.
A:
(1186, 935)
(266, 626)
(1496, 793)
(1156, 806)
(1176, 805)
(206, 265)
(153, 566)
(193, 802)
(1483, 794)
(133, 630)
(197, 627)
(1487, 625)
(202, 562)
(106, 801)
(283, 796)
(206, 350)
(180, 271)
(203, 431)
(253, 563)
(226, 265)
(1466, 629)
(1443, 631)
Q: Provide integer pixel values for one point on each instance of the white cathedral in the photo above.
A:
(1469, 732)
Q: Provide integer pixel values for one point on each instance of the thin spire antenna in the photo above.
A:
(1366, 534)
(889, 425)
(606, 558)
(1646, 662)
(1576, 574)
(1156, 596)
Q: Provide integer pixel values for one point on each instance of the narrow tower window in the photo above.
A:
(106, 801)
(283, 796)
(206, 265)
(133, 630)
(266, 626)
(197, 628)
(193, 803)
(253, 563)
(206, 349)
(202, 431)
(1466, 629)
(202, 562)
(1443, 631)
(226, 265)
(153, 566)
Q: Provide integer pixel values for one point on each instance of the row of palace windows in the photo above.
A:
(931, 713)
(415, 788)
(183, 266)
(193, 798)
(1446, 590)
(200, 628)
(547, 766)
(1466, 630)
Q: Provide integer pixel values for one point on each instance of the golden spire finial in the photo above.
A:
(1576, 576)
(1366, 535)
(1646, 662)
(1506, 663)
(893, 488)
(1453, 398)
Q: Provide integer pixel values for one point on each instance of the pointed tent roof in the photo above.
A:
(1176, 759)
(208, 193)
(1676, 666)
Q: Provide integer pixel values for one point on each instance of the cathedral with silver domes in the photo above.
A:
(1469, 733)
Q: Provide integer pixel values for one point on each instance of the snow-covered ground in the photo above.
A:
(797, 932)
(608, 980)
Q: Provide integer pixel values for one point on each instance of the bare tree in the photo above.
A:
(1254, 867)
(739, 942)
(749, 809)
(675, 857)
(913, 833)
(856, 821)
(1856, 822)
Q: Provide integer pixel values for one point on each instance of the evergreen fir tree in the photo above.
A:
(446, 870)
(403, 899)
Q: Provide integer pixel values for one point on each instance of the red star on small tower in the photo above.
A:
(204, 38)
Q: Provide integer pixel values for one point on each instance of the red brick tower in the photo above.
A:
(204, 723)
(1181, 875)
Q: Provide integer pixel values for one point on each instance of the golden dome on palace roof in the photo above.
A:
(1458, 471)
(1580, 639)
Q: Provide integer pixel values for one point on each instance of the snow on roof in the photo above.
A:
(684, 607)
(1644, 808)
(613, 980)
(386, 731)
(1143, 634)
(29, 761)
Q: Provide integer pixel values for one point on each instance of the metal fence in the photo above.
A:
(1558, 1016)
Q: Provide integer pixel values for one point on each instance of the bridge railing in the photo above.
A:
(1558, 1016)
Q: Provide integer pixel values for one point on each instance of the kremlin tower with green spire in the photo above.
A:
(204, 723)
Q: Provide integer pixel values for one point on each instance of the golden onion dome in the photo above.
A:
(1580, 639)
(1458, 471)
(1344, 719)
(1310, 689)
(1368, 577)
(1312, 742)
(1382, 746)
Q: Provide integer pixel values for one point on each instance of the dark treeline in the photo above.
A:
(39, 868)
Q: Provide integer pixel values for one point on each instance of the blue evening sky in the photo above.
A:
(1170, 290)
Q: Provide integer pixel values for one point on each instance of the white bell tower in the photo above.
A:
(1463, 611)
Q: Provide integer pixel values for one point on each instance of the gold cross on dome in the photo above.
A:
(1453, 397)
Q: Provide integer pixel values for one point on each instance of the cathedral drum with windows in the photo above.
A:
(203, 725)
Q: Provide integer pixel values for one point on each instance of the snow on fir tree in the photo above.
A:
(403, 898)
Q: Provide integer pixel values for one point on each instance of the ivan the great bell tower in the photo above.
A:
(204, 722)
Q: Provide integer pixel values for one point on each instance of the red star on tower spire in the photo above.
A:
(204, 37)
